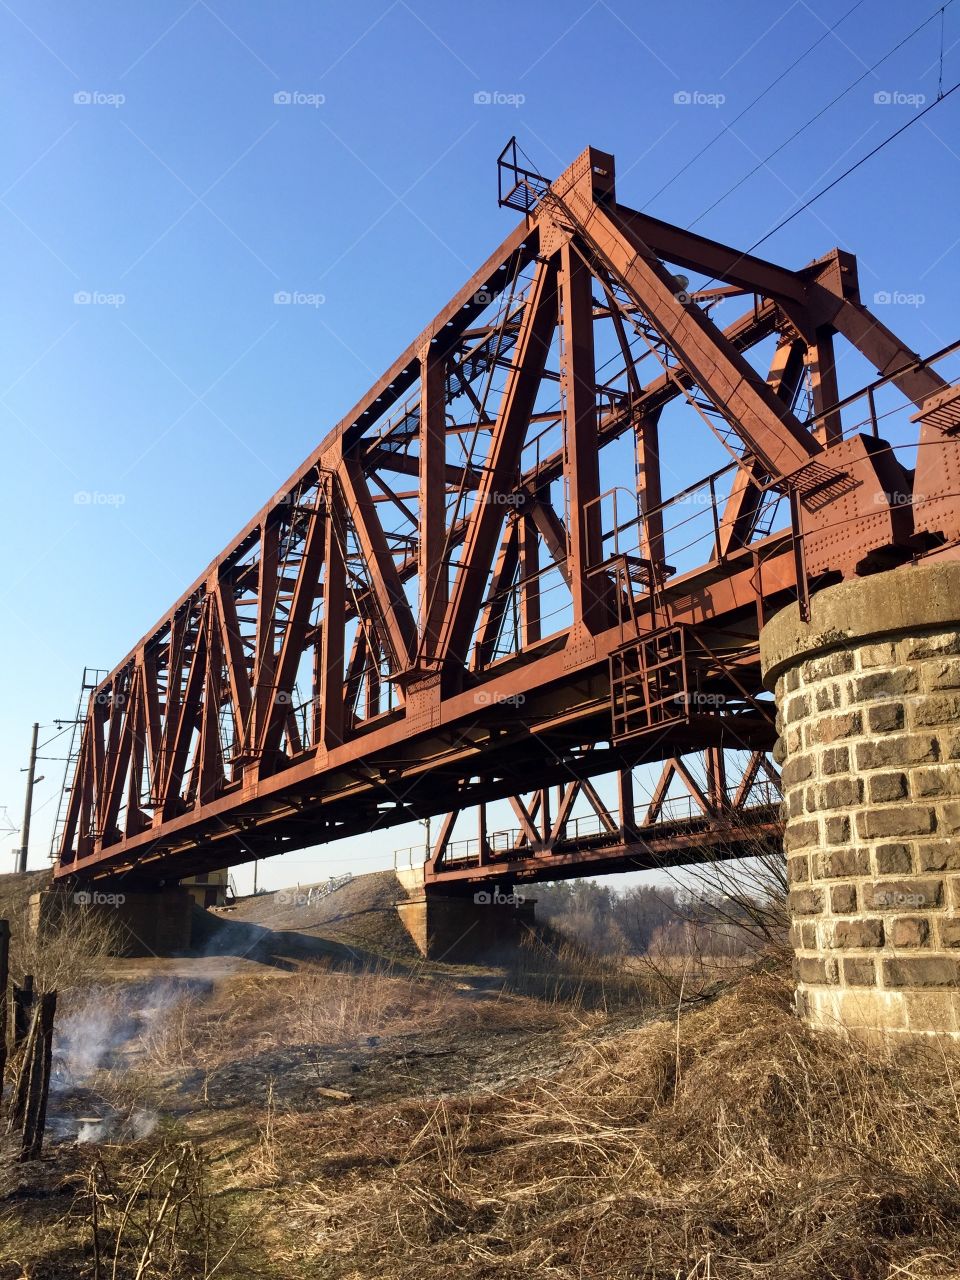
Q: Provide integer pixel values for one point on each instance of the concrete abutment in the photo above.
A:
(868, 696)
(466, 927)
(138, 922)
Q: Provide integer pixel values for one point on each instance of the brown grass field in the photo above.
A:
(334, 1108)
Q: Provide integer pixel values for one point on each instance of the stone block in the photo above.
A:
(938, 855)
(806, 902)
(830, 729)
(921, 971)
(893, 859)
(885, 685)
(935, 710)
(900, 895)
(801, 835)
(859, 971)
(836, 830)
(897, 820)
(932, 645)
(908, 931)
(878, 655)
(866, 933)
(840, 793)
(936, 780)
(837, 663)
(835, 760)
(843, 899)
(798, 868)
(944, 674)
(797, 769)
(885, 718)
(897, 751)
(840, 863)
(883, 788)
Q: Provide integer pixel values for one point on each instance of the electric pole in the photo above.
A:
(28, 804)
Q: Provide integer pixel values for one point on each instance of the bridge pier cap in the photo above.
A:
(868, 695)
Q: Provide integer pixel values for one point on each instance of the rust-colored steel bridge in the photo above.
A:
(540, 549)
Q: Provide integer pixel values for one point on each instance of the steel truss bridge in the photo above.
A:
(539, 550)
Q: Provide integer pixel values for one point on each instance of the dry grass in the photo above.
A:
(559, 1117)
(729, 1142)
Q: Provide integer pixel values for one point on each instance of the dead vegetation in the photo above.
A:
(553, 1115)
(728, 1142)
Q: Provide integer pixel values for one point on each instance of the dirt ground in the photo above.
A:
(302, 1096)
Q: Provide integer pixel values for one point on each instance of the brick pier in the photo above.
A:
(868, 694)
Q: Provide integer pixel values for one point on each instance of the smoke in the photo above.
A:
(98, 1047)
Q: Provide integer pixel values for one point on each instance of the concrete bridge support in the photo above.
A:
(868, 693)
(136, 922)
(466, 927)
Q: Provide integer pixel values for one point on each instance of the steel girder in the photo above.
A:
(384, 639)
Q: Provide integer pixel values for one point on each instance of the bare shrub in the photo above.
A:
(70, 953)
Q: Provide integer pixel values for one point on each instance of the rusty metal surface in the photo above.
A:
(427, 615)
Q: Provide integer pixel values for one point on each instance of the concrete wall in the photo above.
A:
(142, 924)
(464, 928)
(869, 699)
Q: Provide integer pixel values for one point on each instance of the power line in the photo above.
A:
(750, 105)
(863, 159)
(823, 110)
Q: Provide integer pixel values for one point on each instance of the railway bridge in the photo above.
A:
(535, 562)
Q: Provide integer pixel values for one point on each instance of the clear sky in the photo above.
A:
(167, 168)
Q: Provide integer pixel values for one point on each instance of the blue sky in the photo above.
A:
(147, 167)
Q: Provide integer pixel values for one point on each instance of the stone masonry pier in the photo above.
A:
(868, 693)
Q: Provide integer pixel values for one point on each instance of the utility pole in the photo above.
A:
(28, 803)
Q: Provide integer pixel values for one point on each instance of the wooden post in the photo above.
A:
(18, 1102)
(4, 974)
(35, 1117)
(22, 1004)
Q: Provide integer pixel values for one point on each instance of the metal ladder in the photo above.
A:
(92, 676)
